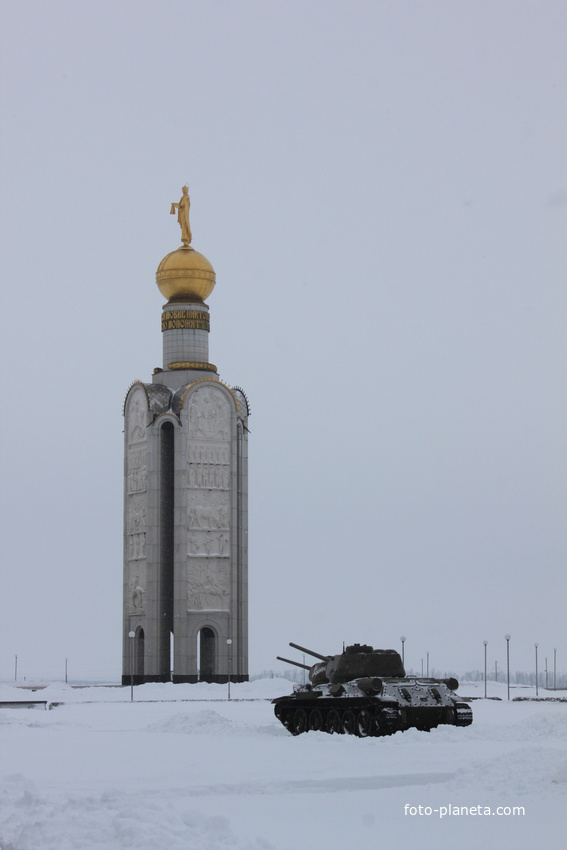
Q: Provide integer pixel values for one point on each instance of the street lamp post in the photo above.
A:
(536, 685)
(485, 642)
(131, 635)
(15, 668)
(427, 653)
(546, 674)
(403, 640)
(422, 668)
(496, 671)
(508, 662)
(229, 645)
(554, 667)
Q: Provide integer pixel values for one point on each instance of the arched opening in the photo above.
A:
(139, 652)
(206, 654)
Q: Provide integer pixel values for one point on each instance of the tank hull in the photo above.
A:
(365, 691)
(424, 706)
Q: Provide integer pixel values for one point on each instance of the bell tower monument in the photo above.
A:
(185, 609)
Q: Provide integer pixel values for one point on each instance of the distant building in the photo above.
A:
(185, 496)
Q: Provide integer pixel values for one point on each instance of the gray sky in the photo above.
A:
(381, 188)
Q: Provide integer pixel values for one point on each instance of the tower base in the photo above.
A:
(183, 680)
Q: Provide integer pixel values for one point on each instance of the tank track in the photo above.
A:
(463, 714)
(363, 719)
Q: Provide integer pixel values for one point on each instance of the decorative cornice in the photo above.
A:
(245, 397)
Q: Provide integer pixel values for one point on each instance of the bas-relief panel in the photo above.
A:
(137, 439)
(209, 415)
(208, 453)
(137, 413)
(208, 468)
(208, 501)
(208, 585)
(136, 499)
(137, 468)
(136, 546)
(209, 543)
(209, 476)
(137, 513)
(208, 510)
(137, 584)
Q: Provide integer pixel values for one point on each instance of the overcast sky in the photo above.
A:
(381, 188)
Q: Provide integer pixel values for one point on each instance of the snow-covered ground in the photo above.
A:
(206, 774)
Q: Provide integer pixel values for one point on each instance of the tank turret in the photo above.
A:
(365, 691)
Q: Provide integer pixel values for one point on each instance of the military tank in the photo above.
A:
(365, 692)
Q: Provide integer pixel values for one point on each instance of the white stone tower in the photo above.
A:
(185, 496)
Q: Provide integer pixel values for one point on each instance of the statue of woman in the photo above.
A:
(183, 215)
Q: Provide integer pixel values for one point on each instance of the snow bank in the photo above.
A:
(101, 772)
(60, 692)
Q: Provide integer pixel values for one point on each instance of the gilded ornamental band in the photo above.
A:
(200, 274)
(185, 319)
(192, 364)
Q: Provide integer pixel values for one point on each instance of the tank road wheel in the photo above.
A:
(392, 720)
(284, 716)
(364, 723)
(315, 720)
(299, 722)
(348, 722)
(333, 724)
(387, 721)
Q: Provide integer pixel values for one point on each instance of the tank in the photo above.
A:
(365, 692)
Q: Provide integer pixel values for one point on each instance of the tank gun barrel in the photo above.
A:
(295, 663)
(310, 652)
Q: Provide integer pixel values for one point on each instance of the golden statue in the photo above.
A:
(183, 216)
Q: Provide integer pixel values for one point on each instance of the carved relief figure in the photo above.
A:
(194, 544)
(137, 583)
(208, 476)
(207, 588)
(208, 543)
(136, 458)
(136, 471)
(136, 546)
(137, 595)
(209, 415)
(137, 480)
(183, 215)
(137, 516)
(137, 418)
(207, 453)
(208, 510)
(222, 542)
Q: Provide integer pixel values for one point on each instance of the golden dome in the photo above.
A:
(185, 275)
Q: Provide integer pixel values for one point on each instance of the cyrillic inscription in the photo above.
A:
(172, 320)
